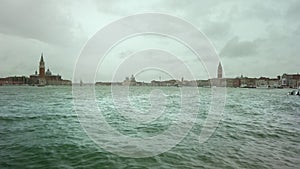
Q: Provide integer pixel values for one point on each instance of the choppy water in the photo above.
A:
(39, 128)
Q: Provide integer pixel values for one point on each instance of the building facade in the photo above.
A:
(290, 80)
(14, 80)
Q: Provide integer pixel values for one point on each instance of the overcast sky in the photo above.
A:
(254, 38)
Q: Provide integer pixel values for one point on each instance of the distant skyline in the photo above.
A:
(253, 38)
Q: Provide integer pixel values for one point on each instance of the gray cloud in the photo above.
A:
(217, 30)
(237, 48)
(293, 12)
(45, 21)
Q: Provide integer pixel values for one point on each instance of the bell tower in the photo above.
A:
(42, 67)
(220, 71)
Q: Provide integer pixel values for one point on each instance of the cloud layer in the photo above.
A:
(252, 37)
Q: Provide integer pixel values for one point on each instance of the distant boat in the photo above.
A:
(81, 83)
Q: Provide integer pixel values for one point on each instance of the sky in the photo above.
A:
(252, 38)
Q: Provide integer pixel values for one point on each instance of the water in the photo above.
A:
(39, 128)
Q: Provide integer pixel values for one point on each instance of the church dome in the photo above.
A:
(48, 73)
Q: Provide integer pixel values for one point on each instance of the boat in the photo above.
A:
(81, 83)
(295, 92)
(177, 85)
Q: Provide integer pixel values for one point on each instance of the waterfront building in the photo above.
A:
(262, 82)
(290, 80)
(247, 82)
(108, 83)
(14, 80)
(129, 81)
(216, 82)
(203, 83)
(233, 82)
(190, 83)
(274, 83)
(265, 82)
(172, 82)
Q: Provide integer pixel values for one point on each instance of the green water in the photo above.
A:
(39, 128)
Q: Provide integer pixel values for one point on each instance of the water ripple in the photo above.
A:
(40, 129)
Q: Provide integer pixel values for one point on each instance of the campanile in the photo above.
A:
(220, 71)
(42, 67)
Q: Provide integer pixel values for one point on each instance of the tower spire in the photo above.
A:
(42, 58)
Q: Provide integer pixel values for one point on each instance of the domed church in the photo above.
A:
(46, 78)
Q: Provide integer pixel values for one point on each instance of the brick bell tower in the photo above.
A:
(42, 67)
(220, 71)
